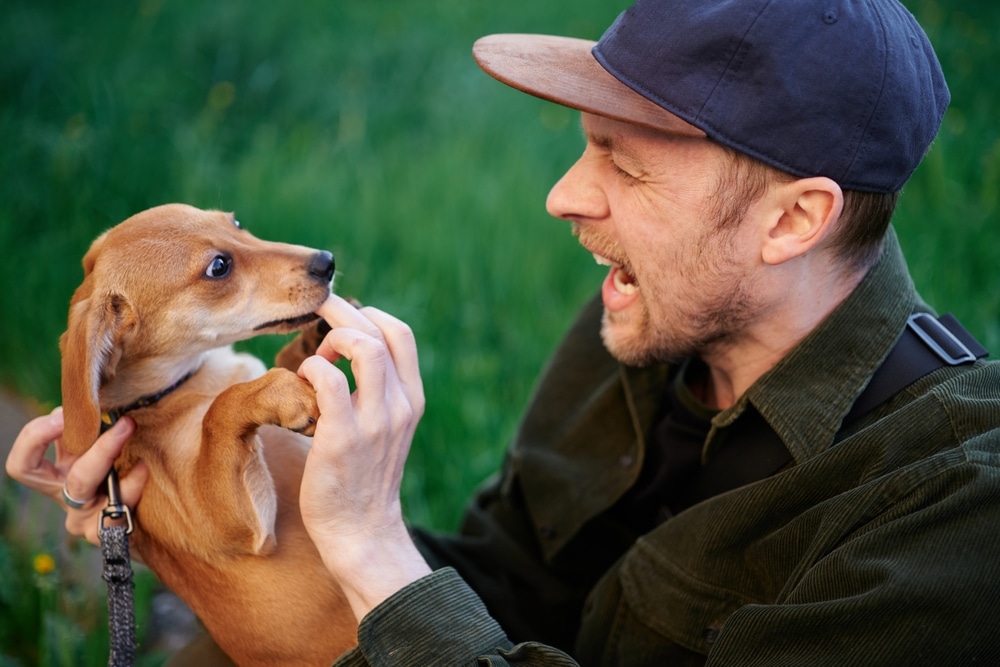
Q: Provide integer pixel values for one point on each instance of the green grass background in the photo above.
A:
(366, 128)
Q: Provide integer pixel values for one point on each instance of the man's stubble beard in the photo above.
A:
(693, 326)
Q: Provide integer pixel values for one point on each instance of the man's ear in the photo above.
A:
(804, 212)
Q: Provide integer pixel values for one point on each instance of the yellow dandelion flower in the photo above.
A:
(44, 563)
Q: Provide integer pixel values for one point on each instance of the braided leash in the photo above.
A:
(114, 545)
(118, 575)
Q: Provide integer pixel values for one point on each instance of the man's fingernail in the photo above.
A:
(123, 424)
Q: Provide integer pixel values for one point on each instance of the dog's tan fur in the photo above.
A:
(218, 520)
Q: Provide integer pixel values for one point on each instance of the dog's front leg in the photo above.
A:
(279, 397)
(231, 472)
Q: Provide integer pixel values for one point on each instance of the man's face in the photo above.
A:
(642, 202)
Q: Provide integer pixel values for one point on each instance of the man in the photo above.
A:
(744, 451)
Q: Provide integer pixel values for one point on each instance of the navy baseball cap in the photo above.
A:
(848, 89)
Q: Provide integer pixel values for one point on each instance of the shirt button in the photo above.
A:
(547, 532)
(626, 460)
(710, 634)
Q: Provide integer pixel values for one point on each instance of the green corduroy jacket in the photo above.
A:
(881, 549)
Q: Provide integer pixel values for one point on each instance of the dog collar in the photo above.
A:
(109, 418)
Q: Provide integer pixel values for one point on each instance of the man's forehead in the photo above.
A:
(609, 132)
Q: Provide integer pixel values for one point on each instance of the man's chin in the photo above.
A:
(636, 344)
(627, 343)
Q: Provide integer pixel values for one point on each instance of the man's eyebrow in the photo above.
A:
(614, 144)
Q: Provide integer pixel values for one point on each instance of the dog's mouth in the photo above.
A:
(287, 325)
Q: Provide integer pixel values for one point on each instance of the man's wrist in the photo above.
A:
(372, 569)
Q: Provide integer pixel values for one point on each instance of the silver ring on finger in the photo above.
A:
(73, 502)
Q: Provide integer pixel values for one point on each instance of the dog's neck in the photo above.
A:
(132, 388)
(109, 417)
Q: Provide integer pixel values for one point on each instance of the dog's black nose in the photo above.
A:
(322, 265)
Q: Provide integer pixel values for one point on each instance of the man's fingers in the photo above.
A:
(86, 521)
(333, 394)
(131, 485)
(395, 334)
(26, 461)
(86, 475)
(73, 481)
(402, 346)
(383, 355)
(339, 313)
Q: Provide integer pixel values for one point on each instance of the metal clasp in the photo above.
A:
(115, 510)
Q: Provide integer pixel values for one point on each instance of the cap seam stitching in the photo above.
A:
(738, 54)
(881, 91)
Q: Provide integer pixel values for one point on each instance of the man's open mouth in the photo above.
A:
(624, 281)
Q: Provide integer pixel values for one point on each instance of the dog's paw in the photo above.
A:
(294, 401)
(313, 335)
(303, 345)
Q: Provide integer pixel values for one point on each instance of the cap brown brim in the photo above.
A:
(563, 70)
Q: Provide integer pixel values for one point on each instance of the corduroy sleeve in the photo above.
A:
(438, 620)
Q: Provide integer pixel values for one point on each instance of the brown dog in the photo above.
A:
(164, 295)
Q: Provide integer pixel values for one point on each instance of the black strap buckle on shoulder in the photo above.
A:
(945, 338)
(926, 344)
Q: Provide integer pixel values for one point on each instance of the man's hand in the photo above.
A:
(350, 488)
(79, 477)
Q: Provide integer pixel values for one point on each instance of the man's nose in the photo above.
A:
(578, 195)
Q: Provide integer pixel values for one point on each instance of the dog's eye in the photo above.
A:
(219, 267)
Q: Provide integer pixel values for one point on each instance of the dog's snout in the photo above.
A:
(322, 265)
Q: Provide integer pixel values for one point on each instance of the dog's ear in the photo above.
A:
(91, 257)
(91, 349)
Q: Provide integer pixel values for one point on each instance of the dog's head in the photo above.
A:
(162, 288)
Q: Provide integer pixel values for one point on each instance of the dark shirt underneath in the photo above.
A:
(677, 473)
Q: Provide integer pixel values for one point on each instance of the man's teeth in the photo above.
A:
(603, 261)
(624, 283)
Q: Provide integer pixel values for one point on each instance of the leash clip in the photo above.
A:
(115, 510)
